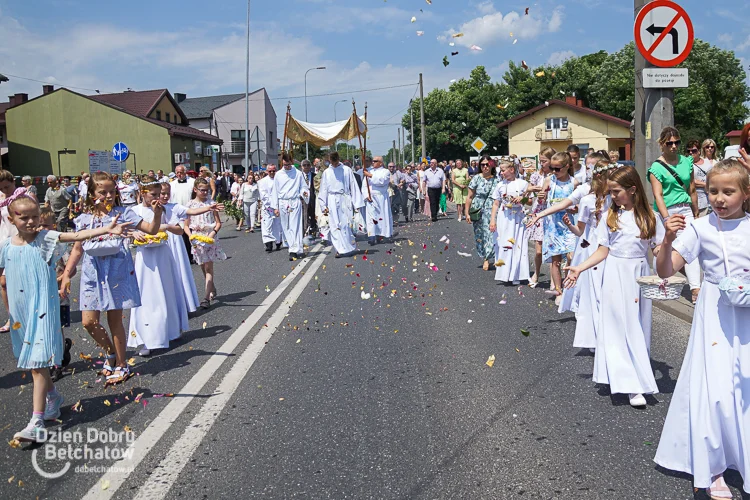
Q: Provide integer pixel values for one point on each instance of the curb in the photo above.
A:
(681, 308)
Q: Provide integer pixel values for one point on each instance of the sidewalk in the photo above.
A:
(683, 307)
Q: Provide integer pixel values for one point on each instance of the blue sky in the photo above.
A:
(197, 47)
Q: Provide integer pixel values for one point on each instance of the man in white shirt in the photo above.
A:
(269, 220)
(181, 190)
(433, 185)
(290, 191)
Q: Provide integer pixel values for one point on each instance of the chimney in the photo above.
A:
(21, 98)
(570, 99)
(180, 97)
(579, 103)
(46, 89)
(11, 101)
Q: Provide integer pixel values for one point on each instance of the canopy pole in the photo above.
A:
(286, 125)
(361, 147)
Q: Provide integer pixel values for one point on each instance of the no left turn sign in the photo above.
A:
(663, 33)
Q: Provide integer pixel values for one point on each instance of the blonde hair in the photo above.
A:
(614, 155)
(563, 157)
(627, 177)
(547, 152)
(705, 144)
(668, 132)
(599, 184)
(732, 166)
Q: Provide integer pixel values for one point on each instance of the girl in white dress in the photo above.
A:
(585, 297)
(163, 314)
(706, 430)
(511, 244)
(623, 341)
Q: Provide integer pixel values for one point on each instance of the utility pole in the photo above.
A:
(421, 116)
(654, 110)
(257, 141)
(400, 156)
(393, 153)
(403, 144)
(411, 131)
(247, 92)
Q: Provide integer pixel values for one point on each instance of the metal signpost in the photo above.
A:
(664, 36)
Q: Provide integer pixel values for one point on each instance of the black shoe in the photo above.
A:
(434, 220)
(66, 354)
(269, 247)
(292, 256)
(278, 246)
(56, 373)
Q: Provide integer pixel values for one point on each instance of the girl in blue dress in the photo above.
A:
(558, 239)
(108, 281)
(28, 259)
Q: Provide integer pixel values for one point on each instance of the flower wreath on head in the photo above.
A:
(599, 170)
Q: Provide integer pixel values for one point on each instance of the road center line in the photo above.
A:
(163, 477)
(148, 439)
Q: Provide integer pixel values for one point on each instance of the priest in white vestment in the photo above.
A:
(379, 217)
(338, 197)
(290, 191)
(270, 225)
(181, 191)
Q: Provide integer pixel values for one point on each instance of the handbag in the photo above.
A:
(476, 213)
(733, 290)
(102, 246)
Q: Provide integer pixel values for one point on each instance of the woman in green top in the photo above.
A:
(671, 178)
(460, 178)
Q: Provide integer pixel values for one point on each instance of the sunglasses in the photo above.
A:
(710, 147)
(693, 151)
(484, 164)
(673, 143)
(558, 169)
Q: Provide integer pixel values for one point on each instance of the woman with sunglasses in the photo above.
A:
(673, 185)
(478, 210)
(703, 162)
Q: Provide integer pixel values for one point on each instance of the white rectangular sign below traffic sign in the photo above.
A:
(665, 78)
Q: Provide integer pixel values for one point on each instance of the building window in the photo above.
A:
(238, 141)
(158, 114)
(168, 119)
(557, 124)
(270, 138)
(175, 119)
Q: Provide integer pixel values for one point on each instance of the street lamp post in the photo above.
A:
(335, 146)
(307, 149)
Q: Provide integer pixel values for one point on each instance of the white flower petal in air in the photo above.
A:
(475, 47)
(420, 33)
(414, 19)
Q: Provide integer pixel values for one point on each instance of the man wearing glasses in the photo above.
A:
(270, 226)
(396, 183)
(289, 192)
(409, 192)
(433, 185)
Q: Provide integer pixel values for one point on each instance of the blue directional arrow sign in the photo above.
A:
(120, 151)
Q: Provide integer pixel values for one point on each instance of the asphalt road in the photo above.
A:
(363, 377)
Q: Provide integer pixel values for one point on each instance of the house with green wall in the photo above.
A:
(43, 132)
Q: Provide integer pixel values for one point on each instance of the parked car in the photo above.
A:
(629, 163)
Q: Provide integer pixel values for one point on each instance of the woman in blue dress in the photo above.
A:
(558, 239)
(480, 198)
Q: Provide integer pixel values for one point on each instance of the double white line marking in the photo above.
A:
(164, 476)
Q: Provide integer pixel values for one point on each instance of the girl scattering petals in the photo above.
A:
(511, 244)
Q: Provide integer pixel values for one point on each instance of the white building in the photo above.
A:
(224, 115)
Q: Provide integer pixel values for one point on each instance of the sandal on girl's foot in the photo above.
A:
(107, 368)
(120, 375)
(213, 294)
(719, 489)
(554, 291)
(534, 281)
(205, 304)
(486, 265)
(5, 328)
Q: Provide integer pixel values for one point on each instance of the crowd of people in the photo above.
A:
(588, 218)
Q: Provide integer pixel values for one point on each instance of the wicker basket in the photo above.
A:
(656, 288)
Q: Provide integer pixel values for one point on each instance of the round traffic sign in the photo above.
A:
(120, 151)
(663, 33)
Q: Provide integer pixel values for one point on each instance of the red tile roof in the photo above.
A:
(580, 109)
(138, 102)
(3, 107)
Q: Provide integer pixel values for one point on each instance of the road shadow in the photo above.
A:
(665, 383)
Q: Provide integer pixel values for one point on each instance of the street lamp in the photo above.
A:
(307, 149)
(335, 148)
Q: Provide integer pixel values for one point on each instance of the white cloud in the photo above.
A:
(557, 58)
(486, 7)
(725, 38)
(744, 45)
(494, 27)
